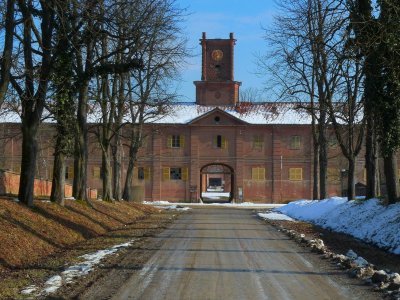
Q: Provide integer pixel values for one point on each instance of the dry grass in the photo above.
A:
(30, 234)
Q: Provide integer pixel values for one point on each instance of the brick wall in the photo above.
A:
(9, 185)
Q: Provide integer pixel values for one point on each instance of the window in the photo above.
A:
(220, 142)
(333, 175)
(258, 173)
(176, 141)
(142, 173)
(69, 172)
(175, 173)
(96, 172)
(257, 142)
(295, 174)
(295, 142)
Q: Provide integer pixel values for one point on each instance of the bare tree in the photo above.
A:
(148, 92)
(250, 95)
(305, 38)
(30, 80)
(116, 145)
(99, 19)
(347, 114)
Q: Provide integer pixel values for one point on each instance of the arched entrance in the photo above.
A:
(216, 183)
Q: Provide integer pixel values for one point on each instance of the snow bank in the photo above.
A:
(367, 220)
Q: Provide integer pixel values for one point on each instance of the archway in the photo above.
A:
(216, 183)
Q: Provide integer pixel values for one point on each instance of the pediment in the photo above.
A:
(217, 117)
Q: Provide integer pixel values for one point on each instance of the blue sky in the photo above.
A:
(218, 18)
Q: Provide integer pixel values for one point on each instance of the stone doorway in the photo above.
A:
(216, 183)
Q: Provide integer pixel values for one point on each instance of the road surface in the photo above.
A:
(230, 254)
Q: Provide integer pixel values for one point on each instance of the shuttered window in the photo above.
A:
(96, 172)
(258, 142)
(176, 141)
(258, 173)
(220, 142)
(175, 173)
(69, 172)
(295, 174)
(142, 173)
(295, 142)
(185, 174)
(146, 173)
(165, 173)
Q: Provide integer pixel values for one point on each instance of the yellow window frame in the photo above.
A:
(295, 174)
(258, 173)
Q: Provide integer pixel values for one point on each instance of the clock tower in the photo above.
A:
(217, 85)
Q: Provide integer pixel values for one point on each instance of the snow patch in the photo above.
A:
(156, 202)
(29, 290)
(174, 207)
(52, 284)
(275, 216)
(78, 270)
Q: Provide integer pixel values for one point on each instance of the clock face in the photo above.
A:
(217, 55)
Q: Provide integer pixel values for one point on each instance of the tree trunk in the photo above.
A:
(28, 161)
(370, 159)
(323, 159)
(106, 173)
(371, 143)
(315, 171)
(350, 179)
(127, 194)
(58, 183)
(81, 150)
(117, 167)
(315, 154)
(6, 60)
(390, 167)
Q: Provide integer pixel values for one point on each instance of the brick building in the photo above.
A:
(216, 149)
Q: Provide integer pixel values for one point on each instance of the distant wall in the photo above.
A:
(9, 185)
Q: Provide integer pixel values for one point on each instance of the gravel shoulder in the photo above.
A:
(340, 243)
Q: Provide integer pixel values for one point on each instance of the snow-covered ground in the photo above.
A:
(367, 220)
